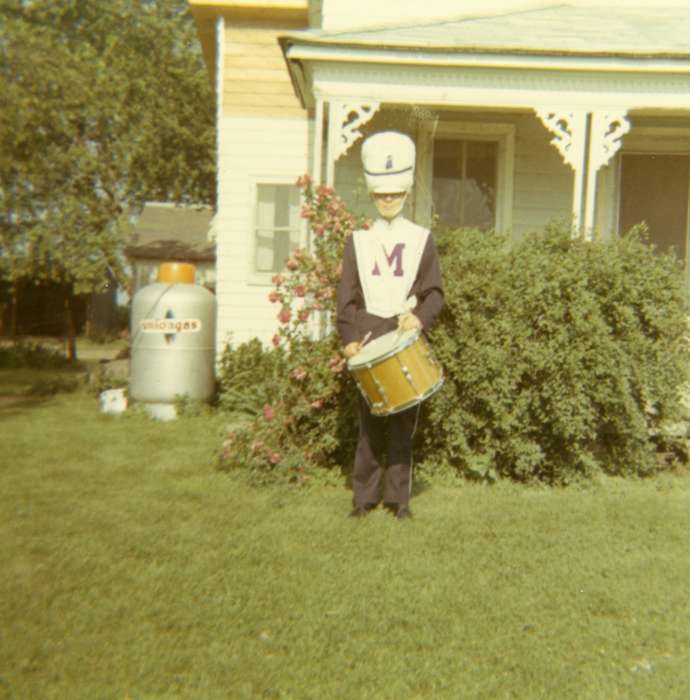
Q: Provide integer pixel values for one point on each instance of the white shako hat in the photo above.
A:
(388, 158)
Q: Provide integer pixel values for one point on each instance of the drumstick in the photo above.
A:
(364, 340)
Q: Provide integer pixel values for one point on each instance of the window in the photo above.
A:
(465, 174)
(463, 187)
(655, 189)
(277, 225)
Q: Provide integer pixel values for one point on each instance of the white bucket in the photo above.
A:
(113, 401)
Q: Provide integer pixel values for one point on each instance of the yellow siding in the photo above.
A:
(255, 80)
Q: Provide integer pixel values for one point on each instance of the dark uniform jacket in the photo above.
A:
(353, 320)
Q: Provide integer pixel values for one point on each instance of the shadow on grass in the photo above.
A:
(11, 406)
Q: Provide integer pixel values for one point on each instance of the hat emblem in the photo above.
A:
(389, 163)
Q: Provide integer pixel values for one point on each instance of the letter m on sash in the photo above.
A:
(395, 257)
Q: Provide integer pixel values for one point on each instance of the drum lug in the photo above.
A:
(430, 357)
(381, 390)
(407, 373)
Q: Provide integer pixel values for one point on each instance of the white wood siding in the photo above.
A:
(543, 181)
(251, 150)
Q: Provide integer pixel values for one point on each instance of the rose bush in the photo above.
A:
(303, 416)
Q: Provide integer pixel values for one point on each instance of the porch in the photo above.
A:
(590, 127)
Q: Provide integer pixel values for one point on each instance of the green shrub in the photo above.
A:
(53, 386)
(102, 378)
(562, 357)
(25, 354)
(247, 377)
(192, 408)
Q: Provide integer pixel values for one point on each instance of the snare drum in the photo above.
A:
(396, 371)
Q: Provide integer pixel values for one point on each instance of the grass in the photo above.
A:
(132, 569)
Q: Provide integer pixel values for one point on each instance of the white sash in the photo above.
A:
(388, 257)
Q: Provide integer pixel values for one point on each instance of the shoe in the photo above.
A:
(358, 512)
(404, 512)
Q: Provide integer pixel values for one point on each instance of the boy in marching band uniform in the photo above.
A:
(390, 279)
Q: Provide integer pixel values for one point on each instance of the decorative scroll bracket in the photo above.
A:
(608, 128)
(570, 129)
(347, 118)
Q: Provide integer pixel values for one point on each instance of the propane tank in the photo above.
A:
(173, 328)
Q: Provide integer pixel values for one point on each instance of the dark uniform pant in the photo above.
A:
(374, 442)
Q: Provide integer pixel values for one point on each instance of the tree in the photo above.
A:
(103, 105)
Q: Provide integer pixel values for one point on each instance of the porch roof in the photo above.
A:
(555, 29)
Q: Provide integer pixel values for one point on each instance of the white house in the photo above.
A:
(523, 112)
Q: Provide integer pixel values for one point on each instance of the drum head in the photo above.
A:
(383, 347)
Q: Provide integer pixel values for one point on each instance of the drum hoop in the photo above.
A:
(387, 355)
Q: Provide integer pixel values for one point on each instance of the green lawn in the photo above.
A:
(132, 569)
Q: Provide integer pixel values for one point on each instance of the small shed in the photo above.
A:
(168, 232)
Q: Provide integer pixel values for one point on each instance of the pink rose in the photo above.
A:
(274, 458)
(298, 254)
(285, 315)
(325, 190)
(275, 340)
(303, 315)
(299, 374)
(336, 364)
(277, 280)
(275, 296)
(300, 290)
(269, 413)
(303, 181)
(292, 264)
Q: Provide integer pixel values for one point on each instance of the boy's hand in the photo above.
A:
(408, 322)
(351, 349)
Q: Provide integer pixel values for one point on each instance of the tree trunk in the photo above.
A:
(13, 311)
(70, 333)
